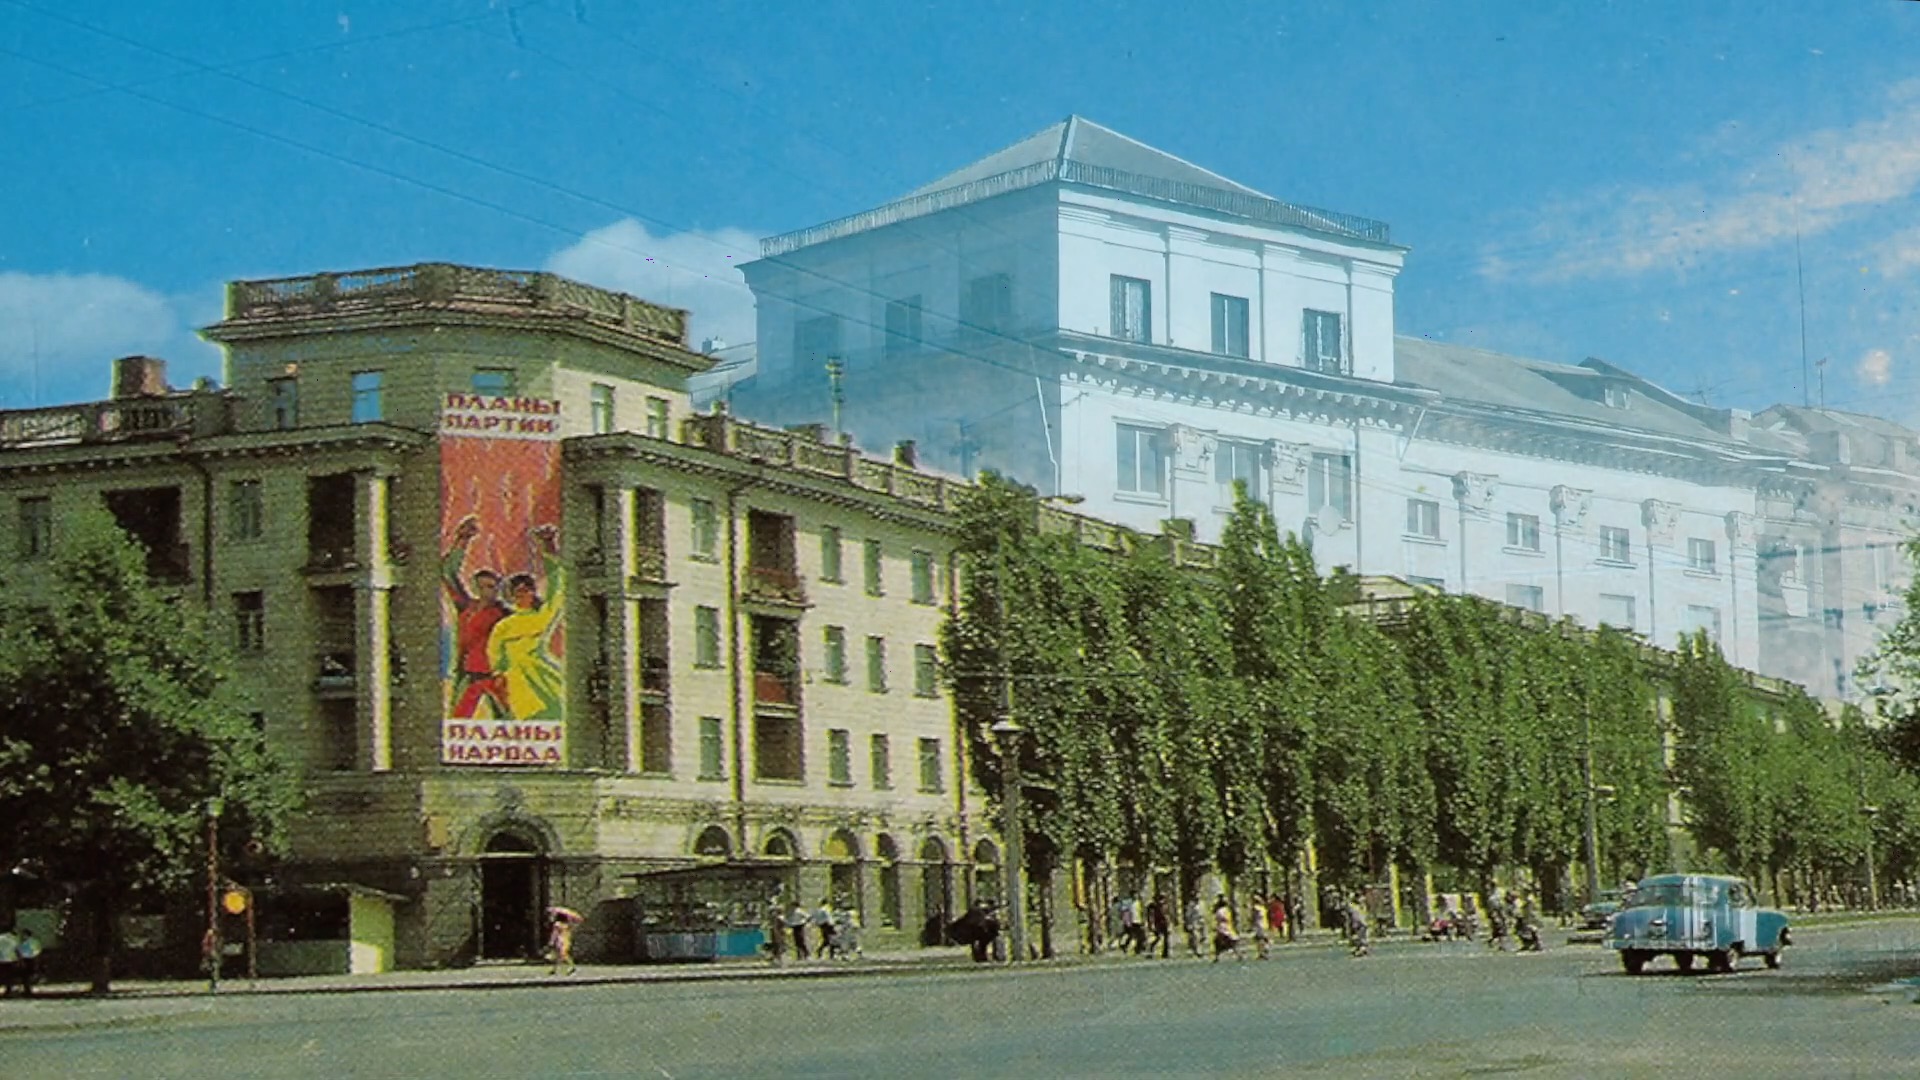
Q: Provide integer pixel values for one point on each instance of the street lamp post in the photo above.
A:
(1008, 732)
(1873, 884)
(212, 944)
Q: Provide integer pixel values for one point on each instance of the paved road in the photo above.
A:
(1409, 1010)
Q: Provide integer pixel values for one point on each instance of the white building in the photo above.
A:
(1099, 318)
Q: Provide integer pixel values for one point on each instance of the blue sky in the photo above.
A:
(1574, 179)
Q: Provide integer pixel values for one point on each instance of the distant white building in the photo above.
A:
(1098, 318)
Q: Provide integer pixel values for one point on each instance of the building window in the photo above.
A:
(706, 637)
(494, 382)
(836, 647)
(930, 765)
(1330, 484)
(1700, 556)
(1616, 396)
(713, 760)
(656, 740)
(706, 528)
(880, 763)
(830, 554)
(1523, 531)
(1237, 461)
(903, 325)
(249, 621)
(1616, 544)
(1132, 317)
(1321, 348)
(839, 756)
(600, 407)
(657, 427)
(1423, 518)
(817, 339)
(876, 583)
(1531, 597)
(248, 508)
(369, 402)
(923, 577)
(1616, 610)
(777, 749)
(36, 527)
(1703, 617)
(987, 304)
(877, 665)
(1141, 460)
(926, 671)
(1230, 325)
(283, 396)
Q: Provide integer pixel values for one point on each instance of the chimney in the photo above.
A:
(906, 453)
(139, 376)
(1737, 421)
(713, 345)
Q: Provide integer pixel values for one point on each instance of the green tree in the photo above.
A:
(119, 727)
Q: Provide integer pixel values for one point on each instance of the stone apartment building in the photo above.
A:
(1102, 319)
(734, 659)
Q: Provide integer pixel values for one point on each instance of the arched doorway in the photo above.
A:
(513, 896)
(843, 869)
(713, 841)
(889, 854)
(936, 890)
(780, 844)
(986, 873)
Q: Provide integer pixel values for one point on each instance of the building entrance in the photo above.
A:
(513, 898)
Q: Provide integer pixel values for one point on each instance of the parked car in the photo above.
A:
(1595, 916)
(1695, 916)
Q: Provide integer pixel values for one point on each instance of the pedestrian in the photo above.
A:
(776, 931)
(1296, 916)
(823, 929)
(9, 962)
(1193, 922)
(1277, 917)
(1357, 933)
(28, 951)
(560, 942)
(846, 932)
(1224, 939)
(1159, 924)
(1257, 922)
(797, 926)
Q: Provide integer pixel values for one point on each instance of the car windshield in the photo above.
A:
(1661, 895)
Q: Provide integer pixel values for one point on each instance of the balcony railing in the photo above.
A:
(650, 564)
(400, 288)
(99, 421)
(325, 558)
(775, 583)
(655, 674)
(334, 673)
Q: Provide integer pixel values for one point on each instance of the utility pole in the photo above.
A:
(836, 368)
(1821, 366)
(1800, 277)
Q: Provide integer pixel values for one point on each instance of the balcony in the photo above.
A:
(111, 421)
(331, 558)
(649, 565)
(775, 585)
(656, 675)
(334, 673)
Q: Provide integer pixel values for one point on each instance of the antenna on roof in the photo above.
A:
(1800, 277)
(1822, 365)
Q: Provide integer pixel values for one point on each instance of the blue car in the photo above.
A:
(1695, 916)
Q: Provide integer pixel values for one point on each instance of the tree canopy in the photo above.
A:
(118, 728)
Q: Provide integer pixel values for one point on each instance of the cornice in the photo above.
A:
(539, 322)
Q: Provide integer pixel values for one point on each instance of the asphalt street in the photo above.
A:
(1410, 1009)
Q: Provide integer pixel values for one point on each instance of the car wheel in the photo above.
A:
(1633, 960)
(1773, 959)
(1683, 961)
(1721, 960)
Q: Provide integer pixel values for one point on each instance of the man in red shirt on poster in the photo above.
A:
(474, 678)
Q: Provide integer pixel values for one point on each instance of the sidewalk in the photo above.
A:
(58, 1006)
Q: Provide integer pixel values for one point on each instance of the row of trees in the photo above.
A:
(1221, 718)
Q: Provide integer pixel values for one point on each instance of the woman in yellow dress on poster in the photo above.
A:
(520, 645)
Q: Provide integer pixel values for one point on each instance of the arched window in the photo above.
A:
(781, 845)
(713, 841)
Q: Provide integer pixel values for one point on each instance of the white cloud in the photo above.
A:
(58, 332)
(1875, 367)
(1898, 253)
(696, 270)
(1814, 182)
